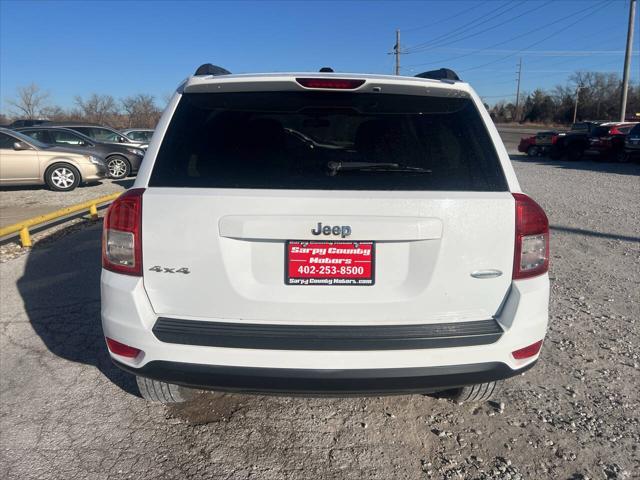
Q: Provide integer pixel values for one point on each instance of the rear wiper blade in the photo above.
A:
(334, 167)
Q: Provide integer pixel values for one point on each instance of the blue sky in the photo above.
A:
(122, 48)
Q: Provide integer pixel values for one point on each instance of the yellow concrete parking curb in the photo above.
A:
(23, 227)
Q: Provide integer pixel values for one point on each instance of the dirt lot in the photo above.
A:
(66, 412)
(21, 203)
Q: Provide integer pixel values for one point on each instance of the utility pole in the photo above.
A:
(518, 90)
(575, 108)
(396, 51)
(627, 60)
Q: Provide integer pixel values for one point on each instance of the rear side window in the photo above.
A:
(139, 136)
(39, 135)
(99, 134)
(327, 141)
(65, 138)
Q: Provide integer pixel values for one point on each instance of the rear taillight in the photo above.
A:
(554, 139)
(330, 83)
(122, 349)
(531, 254)
(122, 234)
(527, 352)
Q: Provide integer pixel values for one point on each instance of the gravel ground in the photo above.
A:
(21, 203)
(66, 412)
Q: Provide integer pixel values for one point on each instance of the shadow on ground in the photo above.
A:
(605, 167)
(593, 233)
(126, 183)
(60, 289)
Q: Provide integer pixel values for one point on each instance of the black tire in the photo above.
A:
(157, 391)
(622, 157)
(118, 167)
(533, 151)
(481, 392)
(574, 153)
(62, 177)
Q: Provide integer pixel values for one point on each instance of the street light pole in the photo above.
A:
(397, 52)
(575, 108)
(627, 61)
(518, 91)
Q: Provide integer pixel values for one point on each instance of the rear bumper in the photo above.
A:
(214, 356)
(322, 337)
(324, 382)
(135, 161)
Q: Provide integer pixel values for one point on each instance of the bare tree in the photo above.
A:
(141, 110)
(55, 113)
(97, 108)
(166, 98)
(29, 102)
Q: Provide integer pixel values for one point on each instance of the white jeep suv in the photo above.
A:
(324, 233)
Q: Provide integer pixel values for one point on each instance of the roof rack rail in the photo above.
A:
(210, 69)
(440, 74)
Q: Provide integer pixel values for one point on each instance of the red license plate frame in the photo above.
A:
(332, 265)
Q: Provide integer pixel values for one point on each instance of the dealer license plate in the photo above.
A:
(329, 263)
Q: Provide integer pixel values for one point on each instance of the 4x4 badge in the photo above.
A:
(158, 268)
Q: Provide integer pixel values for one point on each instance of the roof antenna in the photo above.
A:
(326, 70)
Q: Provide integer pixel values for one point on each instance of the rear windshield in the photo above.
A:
(327, 141)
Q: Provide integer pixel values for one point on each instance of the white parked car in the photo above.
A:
(325, 233)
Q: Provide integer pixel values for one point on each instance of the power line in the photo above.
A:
(542, 53)
(444, 20)
(594, 36)
(508, 20)
(462, 27)
(509, 40)
(543, 40)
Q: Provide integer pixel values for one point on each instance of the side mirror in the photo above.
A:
(121, 139)
(21, 146)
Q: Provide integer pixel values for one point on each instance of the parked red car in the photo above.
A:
(606, 142)
(538, 144)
